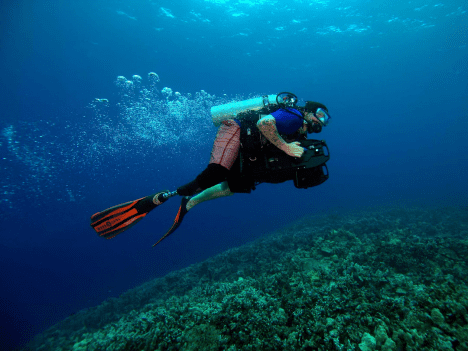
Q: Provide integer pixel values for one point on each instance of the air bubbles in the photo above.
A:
(167, 92)
(141, 119)
(32, 148)
(120, 82)
(136, 80)
(153, 77)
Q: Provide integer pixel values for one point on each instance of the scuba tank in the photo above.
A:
(231, 110)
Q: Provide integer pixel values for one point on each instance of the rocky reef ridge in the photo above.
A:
(393, 279)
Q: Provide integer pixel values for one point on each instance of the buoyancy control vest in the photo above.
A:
(259, 161)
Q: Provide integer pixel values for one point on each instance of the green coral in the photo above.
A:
(368, 343)
(384, 280)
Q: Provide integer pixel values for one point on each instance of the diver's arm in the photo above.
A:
(267, 126)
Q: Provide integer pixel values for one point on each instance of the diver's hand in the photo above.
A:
(293, 149)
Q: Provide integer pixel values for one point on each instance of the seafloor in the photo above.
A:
(392, 279)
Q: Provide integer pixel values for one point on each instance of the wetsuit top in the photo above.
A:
(287, 122)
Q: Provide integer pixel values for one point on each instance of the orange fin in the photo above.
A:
(117, 219)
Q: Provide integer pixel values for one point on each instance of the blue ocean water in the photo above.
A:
(394, 76)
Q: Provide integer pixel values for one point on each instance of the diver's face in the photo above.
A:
(309, 116)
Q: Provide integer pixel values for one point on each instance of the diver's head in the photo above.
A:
(317, 116)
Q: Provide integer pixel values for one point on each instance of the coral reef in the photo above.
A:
(392, 279)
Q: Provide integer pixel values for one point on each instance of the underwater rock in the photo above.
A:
(437, 317)
(368, 343)
(380, 335)
(389, 345)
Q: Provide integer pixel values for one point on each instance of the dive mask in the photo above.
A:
(322, 116)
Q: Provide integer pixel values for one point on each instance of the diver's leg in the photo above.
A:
(212, 175)
(215, 192)
(226, 145)
(224, 153)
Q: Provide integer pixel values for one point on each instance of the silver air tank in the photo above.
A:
(227, 111)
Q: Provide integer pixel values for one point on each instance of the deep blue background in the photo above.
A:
(394, 77)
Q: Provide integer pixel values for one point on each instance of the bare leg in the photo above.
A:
(216, 191)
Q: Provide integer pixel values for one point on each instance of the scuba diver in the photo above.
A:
(258, 140)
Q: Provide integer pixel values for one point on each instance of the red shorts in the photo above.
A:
(226, 145)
